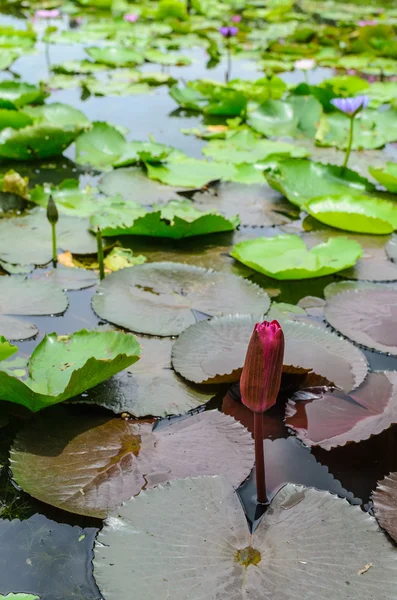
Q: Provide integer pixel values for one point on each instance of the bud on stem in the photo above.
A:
(52, 216)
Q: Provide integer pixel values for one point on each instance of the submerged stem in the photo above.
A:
(259, 458)
(100, 253)
(350, 141)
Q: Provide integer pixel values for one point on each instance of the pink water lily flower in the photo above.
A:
(364, 23)
(236, 18)
(53, 13)
(305, 64)
(228, 32)
(131, 18)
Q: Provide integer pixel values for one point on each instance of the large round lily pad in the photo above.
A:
(132, 184)
(159, 298)
(308, 540)
(365, 313)
(28, 297)
(37, 141)
(149, 387)
(385, 504)
(326, 418)
(92, 465)
(214, 351)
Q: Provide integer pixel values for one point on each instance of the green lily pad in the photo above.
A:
(19, 93)
(115, 88)
(57, 114)
(64, 366)
(15, 329)
(363, 214)
(26, 240)
(122, 258)
(68, 197)
(372, 129)
(111, 460)
(160, 298)
(300, 180)
(190, 172)
(287, 257)
(260, 90)
(387, 176)
(167, 59)
(19, 597)
(43, 140)
(133, 184)
(381, 92)
(16, 119)
(296, 117)
(245, 147)
(6, 349)
(177, 219)
(78, 67)
(115, 56)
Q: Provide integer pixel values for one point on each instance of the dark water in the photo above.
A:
(49, 551)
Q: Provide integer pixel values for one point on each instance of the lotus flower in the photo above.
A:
(364, 23)
(228, 32)
(350, 106)
(261, 377)
(131, 18)
(236, 18)
(47, 14)
(305, 64)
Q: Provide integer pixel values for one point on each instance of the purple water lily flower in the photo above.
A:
(350, 106)
(228, 32)
(131, 18)
(236, 18)
(47, 14)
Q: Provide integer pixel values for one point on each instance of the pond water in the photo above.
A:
(47, 551)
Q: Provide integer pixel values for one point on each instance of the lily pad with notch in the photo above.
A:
(214, 351)
(300, 525)
(111, 460)
(161, 298)
(133, 184)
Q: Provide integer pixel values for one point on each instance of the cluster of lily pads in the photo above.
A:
(174, 258)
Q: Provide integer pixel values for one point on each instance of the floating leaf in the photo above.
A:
(363, 214)
(29, 297)
(40, 554)
(69, 198)
(256, 204)
(6, 349)
(115, 56)
(133, 184)
(14, 118)
(67, 279)
(101, 146)
(214, 351)
(286, 256)
(64, 366)
(385, 504)
(111, 460)
(301, 525)
(20, 93)
(167, 59)
(57, 114)
(159, 298)
(121, 258)
(296, 117)
(19, 597)
(365, 313)
(300, 180)
(78, 67)
(150, 387)
(387, 176)
(190, 172)
(325, 418)
(43, 140)
(15, 329)
(178, 219)
(26, 240)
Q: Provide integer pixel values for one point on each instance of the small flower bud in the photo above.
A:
(52, 211)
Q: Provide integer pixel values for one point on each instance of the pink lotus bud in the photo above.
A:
(131, 18)
(236, 18)
(261, 377)
(47, 14)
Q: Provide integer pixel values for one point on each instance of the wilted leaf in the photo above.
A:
(159, 298)
(110, 460)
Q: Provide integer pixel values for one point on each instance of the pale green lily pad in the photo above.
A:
(19, 93)
(245, 147)
(190, 172)
(26, 240)
(115, 88)
(57, 114)
(301, 525)
(287, 257)
(177, 219)
(69, 198)
(78, 67)
(387, 176)
(132, 184)
(19, 597)
(160, 298)
(296, 117)
(65, 366)
(381, 92)
(372, 129)
(362, 214)
(6, 349)
(167, 58)
(43, 140)
(299, 180)
(115, 56)
(122, 258)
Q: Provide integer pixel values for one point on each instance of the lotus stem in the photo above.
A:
(54, 244)
(350, 142)
(52, 216)
(259, 458)
(100, 253)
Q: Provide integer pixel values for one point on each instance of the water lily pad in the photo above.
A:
(40, 554)
(17, 119)
(256, 204)
(68, 278)
(111, 460)
(28, 297)
(27, 239)
(387, 176)
(301, 525)
(178, 219)
(214, 351)
(363, 214)
(16, 329)
(101, 146)
(33, 142)
(6, 349)
(286, 256)
(300, 180)
(385, 504)
(69, 198)
(160, 298)
(150, 387)
(296, 117)
(20, 93)
(365, 313)
(190, 172)
(372, 129)
(64, 366)
(167, 58)
(132, 184)
(245, 147)
(326, 418)
(115, 56)
(57, 114)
